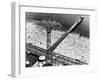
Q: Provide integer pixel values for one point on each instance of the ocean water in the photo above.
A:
(72, 46)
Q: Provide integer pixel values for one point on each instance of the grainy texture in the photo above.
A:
(72, 46)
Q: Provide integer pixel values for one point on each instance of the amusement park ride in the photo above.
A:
(34, 53)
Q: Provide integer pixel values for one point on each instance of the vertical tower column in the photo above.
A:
(48, 53)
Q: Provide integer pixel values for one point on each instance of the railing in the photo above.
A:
(56, 56)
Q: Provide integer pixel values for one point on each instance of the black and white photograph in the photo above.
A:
(52, 40)
(56, 39)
